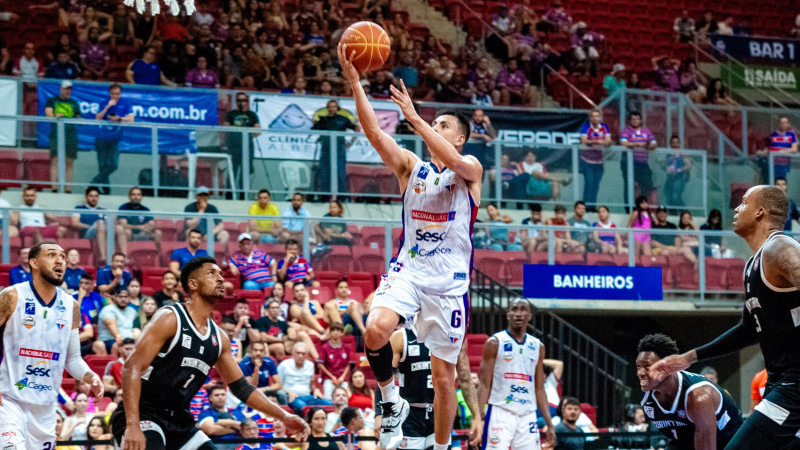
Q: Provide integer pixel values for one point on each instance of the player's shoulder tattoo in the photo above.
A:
(8, 301)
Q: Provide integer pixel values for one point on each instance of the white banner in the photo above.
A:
(296, 113)
(9, 99)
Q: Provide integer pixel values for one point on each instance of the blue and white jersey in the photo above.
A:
(34, 346)
(435, 252)
(514, 382)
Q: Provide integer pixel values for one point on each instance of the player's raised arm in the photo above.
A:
(486, 372)
(701, 407)
(399, 160)
(152, 340)
(232, 375)
(466, 166)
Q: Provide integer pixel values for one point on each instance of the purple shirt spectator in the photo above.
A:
(514, 80)
(641, 136)
(202, 78)
(586, 39)
(597, 135)
(94, 56)
(557, 15)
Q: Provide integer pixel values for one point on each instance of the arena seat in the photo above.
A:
(735, 270)
(151, 277)
(570, 259)
(339, 259)
(513, 268)
(276, 251)
(370, 235)
(490, 263)
(98, 363)
(169, 230)
(66, 222)
(684, 272)
(371, 260)
(68, 384)
(143, 253)
(356, 293)
(362, 280)
(658, 261)
(84, 248)
(36, 167)
(327, 277)
(475, 343)
(716, 274)
(323, 294)
(599, 259)
(4, 275)
(10, 169)
(255, 305)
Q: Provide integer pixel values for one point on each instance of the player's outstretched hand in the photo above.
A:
(403, 100)
(346, 60)
(671, 364)
(97, 388)
(296, 427)
(550, 436)
(133, 439)
(475, 432)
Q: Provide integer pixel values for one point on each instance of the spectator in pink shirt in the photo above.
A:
(334, 361)
(201, 76)
(513, 87)
(667, 73)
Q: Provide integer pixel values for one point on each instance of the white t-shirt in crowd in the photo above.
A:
(31, 218)
(294, 379)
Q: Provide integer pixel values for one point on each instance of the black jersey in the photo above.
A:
(774, 314)
(675, 423)
(181, 367)
(415, 371)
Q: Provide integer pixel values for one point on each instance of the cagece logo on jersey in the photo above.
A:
(416, 251)
(25, 383)
(39, 369)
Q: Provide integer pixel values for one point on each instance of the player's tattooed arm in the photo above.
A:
(76, 316)
(786, 270)
(8, 302)
(465, 382)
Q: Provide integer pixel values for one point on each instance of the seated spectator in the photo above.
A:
(499, 237)
(294, 268)
(684, 27)
(250, 430)
(112, 375)
(717, 94)
(714, 245)
(333, 233)
(352, 425)
(481, 96)
(63, 68)
(726, 27)
(273, 330)
(91, 303)
(513, 87)
(534, 182)
(379, 87)
(341, 398)
(578, 220)
(557, 18)
(584, 43)
(297, 377)
(73, 272)
(317, 420)
(256, 268)
(361, 395)
(687, 244)
(64, 44)
(135, 291)
(640, 218)
(37, 224)
(298, 87)
(666, 69)
(503, 22)
(115, 324)
(181, 256)
(794, 212)
(508, 171)
(27, 66)
(352, 311)
(570, 411)
(262, 372)
(201, 205)
(140, 227)
(244, 331)
(92, 225)
(678, 169)
(147, 70)
(533, 237)
(113, 277)
(121, 27)
(95, 56)
(228, 325)
(146, 312)
(217, 420)
(782, 140)
(76, 424)
(406, 72)
(562, 239)
(169, 293)
(266, 231)
(21, 273)
(663, 244)
(334, 361)
(614, 81)
(202, 76)
(293, 226)
(481, 135)
(310, 314)
(277, 293)
(606, 241)
(692, 80)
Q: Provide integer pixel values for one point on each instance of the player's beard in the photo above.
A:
(50, 278)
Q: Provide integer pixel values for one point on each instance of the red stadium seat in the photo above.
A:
(371, 260)
(570, 259)
(362, 280)
(151, 277)
(143, 253)
(475, 343)
(716, 274)
(84, 248)
(169, 232)
(599, 259)
(684, 273)
(491, 263)
(514, 267)
(327, 276)
(658, 261)
(98, 363)
(36, 167)
(4, 274)
(373, 235)
(10, 169)
(340, 259)
(356, 293)
(735, 270)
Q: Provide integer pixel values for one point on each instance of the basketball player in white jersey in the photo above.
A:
(512, 383)
(40, 324)
(430, 274)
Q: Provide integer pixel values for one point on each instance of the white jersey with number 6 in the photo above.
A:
(513, 385)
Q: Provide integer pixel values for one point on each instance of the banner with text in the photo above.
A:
(592, 282)
(179, 106)
(294, 115)
(765, 49)
(9, 99)
(784, 78)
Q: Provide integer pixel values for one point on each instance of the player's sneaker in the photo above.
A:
(394, 414)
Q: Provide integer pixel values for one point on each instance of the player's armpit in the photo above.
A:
(701, 405)
(8, 302)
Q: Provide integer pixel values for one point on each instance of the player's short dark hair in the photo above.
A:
(33, 253)
(340, 281)
(296, 285)
(90, 189)
(215, 387)
(603, 207)
(775, 202)
(463, 121)
(536, 207)
(520, 300)
(349, 414)
(660, 344)
(192, 266)
(779, 179)
(560, 208)
(118, 254)
(31, 188)
(128, 341)
(336, 326)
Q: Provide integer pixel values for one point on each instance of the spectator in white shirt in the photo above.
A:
(297, 378)
(12, 229)
(36, 223)
(27, 66)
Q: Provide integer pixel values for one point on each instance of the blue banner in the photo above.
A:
(592, 282)
(149, 105)
(767, 50)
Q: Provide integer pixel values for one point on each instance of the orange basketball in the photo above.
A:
(370, 43)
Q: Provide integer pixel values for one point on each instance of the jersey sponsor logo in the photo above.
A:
(41, 371)
(214, 340)
(418, 186)
(519, 389)
(60, 324)
(196, 364)
(186, 341)
(517, 376)
(29, 322)
(433, 217)
(459, 276)
(454, 337)
(40, 354)
(413, 350)
(508, 356)
(681, 413)
(416, 251)
(508, 346)
(25, 383)
(430, 236)
(60, 308)
(423, 172)
(668, 424)
(30, 308)
(521, 401)
(649, 411)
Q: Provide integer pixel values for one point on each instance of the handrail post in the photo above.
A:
(771, 168)
(334, 147)
(668, 105)
(576, 194)
(629, 154)
(6, 214)
(111, 221)
(705, 184)
(245, 167)
(498, 178)
(387, 243)
(744, 129)
(155, 164)
(631, 249)
(209, 234)
(551, 250)
(702, 267)
(306, 236)
(681, 118)
(623, 97)
(62, 153)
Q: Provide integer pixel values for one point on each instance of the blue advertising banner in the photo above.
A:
(149, 105)
(592, 282)
(771, 51)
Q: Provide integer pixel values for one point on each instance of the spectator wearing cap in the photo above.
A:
(615, 81)
(256, 268)
(662, 244)
(641, 141)
(557, 18)
(584, 43)
(62, 106)
(201, 205)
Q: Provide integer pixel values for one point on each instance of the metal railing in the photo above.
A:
(592, 372)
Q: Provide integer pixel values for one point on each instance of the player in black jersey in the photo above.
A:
(171, 363)
(691, 411)
(771, 317)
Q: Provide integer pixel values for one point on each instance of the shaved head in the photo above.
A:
(774, 201)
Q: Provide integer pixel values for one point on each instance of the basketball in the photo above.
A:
(370, 43)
